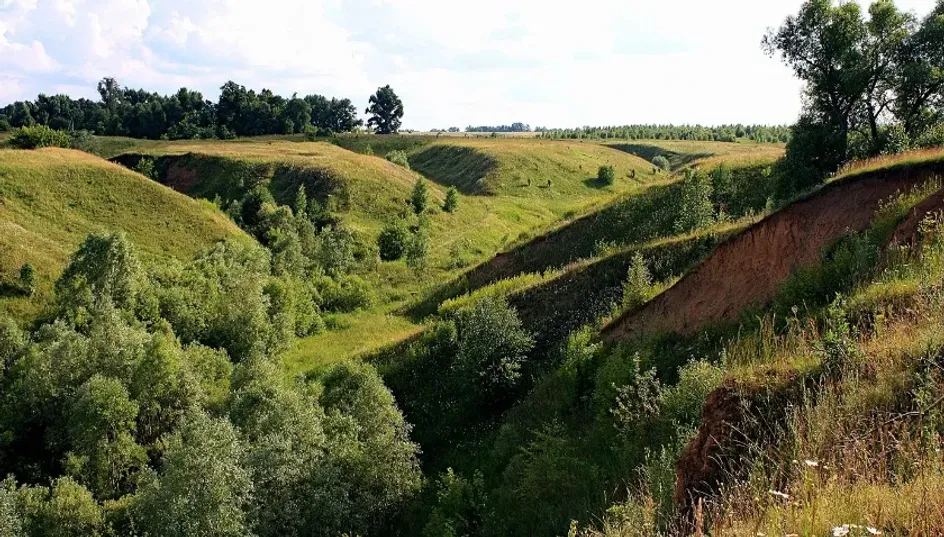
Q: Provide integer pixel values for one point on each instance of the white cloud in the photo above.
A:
(490, 61)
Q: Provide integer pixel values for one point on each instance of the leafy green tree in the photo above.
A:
(638, 284)
(11, 516)
(336, 250)
(419, 197)
(286, 455)
(492, 348)
(301, 203)
(386, 111)
(824, 45)
(104, 455)
(695, 209)
(208, 452)
(920, 78)
(452, 200)
(606, 175)
(392, 242)
(104, 267)
(67, 509)
(460, 506)
(417, 247)
(371, 445)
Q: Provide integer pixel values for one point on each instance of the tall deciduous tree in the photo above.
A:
(386, 111)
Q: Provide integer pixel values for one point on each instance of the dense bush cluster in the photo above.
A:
(723, 133)
(185, 114)
(152, 403)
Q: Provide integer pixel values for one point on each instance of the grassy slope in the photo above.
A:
(51, 199)
(378, 189)
(682, 153)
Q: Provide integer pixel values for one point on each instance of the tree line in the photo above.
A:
(186, 114)
(874, 83)
(722, 133)
(514, 127)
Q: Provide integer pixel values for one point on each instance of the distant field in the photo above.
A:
(51, 199)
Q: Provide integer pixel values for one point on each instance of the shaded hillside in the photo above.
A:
(51, 199)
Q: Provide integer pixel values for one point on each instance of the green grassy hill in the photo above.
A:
(51, 199)
(841, 367)
(370, 192)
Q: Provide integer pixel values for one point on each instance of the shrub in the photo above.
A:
(661, 162)
(452, 200)
(419, 198)
(392, 242)
(84, 141)
(398, 156)
(145, 167)
(606, 175)
(417, 249)
(38, 136)
(345, 294)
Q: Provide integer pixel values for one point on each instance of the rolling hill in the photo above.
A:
(51, 199)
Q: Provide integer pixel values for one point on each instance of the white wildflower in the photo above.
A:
(777, 493)
(841, 531)
(811, 463)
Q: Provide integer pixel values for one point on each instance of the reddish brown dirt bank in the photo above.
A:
(749, 268)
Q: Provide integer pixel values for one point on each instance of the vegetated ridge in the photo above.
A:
(749, 268)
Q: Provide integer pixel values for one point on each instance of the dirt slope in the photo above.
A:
(749, 268)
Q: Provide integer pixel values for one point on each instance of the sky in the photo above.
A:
(485, 62)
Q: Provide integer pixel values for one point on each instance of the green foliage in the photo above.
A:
(417, 247)
(65, 510)
(105, 267)
(452, 200)
(491, 349)
(345, 293)
(145, 167)
(606, 175)
(336, 250)
(695, 207)
(206, 450)
(659, 161)
(392, 242)
(721, 133)
(35, 137)
(419, 197)
(398, 156)
(638, 285)
(460, 506)
(386, 111)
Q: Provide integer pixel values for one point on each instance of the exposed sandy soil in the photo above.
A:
(749, 268)
(180, 177)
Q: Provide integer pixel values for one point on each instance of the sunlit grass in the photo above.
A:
(51, 199)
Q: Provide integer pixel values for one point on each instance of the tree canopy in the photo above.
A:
(386, 111)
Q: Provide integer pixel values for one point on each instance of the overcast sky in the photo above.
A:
(542, 62)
